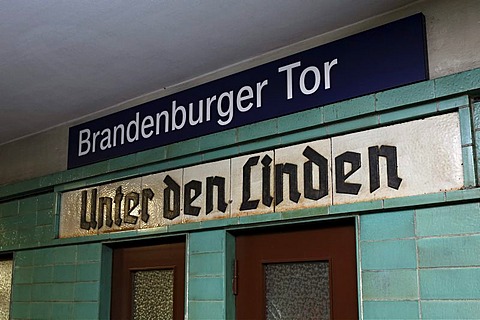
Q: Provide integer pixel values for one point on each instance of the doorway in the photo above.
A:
(148, 281)
(297, 273)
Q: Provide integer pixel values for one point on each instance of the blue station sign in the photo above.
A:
(378, 59)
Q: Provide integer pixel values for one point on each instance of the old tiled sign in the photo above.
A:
(412, 158)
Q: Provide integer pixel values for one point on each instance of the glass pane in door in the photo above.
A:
(298, 290)
(153, 294)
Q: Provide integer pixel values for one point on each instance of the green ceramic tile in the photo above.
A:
(350, 108)
(207, 264)
(390, 284)
(72, 175)
(465, 125)
(44, 234)
(153, 155)
(388, 225)
(88, 272)
(85, 310)
(20, 310)
(408, 113)
(300, 120)
(184, 227)
(414, 200)
(257, 218)
(22, 292)
(25, 220)
(64, 273)
(8, 209)
(114, 175)
(63, 291)
(390, 310)
(226, 152)
(71, 186)
(453, 103)
(87, 291)
(171, 164)
(467, 194)
(41, 310)
(352, 125)
(151, 231)
(89, 252)
(42, 274)
(219, 223)
(124, 162)
(468, 167)
(477, 147)
(260, 145)
(28, 205)
(463, 251)
(46, 201)
(453, 219)
(95, 169)
(65, 255)
(436, 310)
(207, 241)
(457, 83)
(476, 115)
(206, 288)
(230, 262)
(410, 94)
(183, 148)
(304, 213)
(62, 311)
(211, 310)
(217, 140)
(8, 240)
(24, 259)
(12, 189)
(390, 254)
(9, 223)
(23, 275)
(25, 236)
(44, 217)
(51, 179)
(257, 130)
(450, 284)
(42, 292)
(309, 134)
(357, 207)
(105, 282)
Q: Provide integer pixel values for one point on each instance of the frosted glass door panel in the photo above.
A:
(153, 294)
(298, 290)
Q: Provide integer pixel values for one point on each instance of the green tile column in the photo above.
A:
(210, 266)
(389, 265)
(449, 259)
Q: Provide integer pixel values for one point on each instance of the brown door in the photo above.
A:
(148, 282)
(298, 273)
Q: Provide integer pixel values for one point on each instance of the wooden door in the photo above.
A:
(298, 273)
(148, 282)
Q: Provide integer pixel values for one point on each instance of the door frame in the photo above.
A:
(352, 221)
(118, 251)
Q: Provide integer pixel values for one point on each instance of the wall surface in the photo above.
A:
(405, 245)
(418, 257)
(453, 46)
(421, 263)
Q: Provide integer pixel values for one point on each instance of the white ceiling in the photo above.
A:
(63, 59)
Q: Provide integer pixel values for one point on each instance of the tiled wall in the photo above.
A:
(210, 263)
(58, 283)
(418, 256)
(27, 222)
(421, 263)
